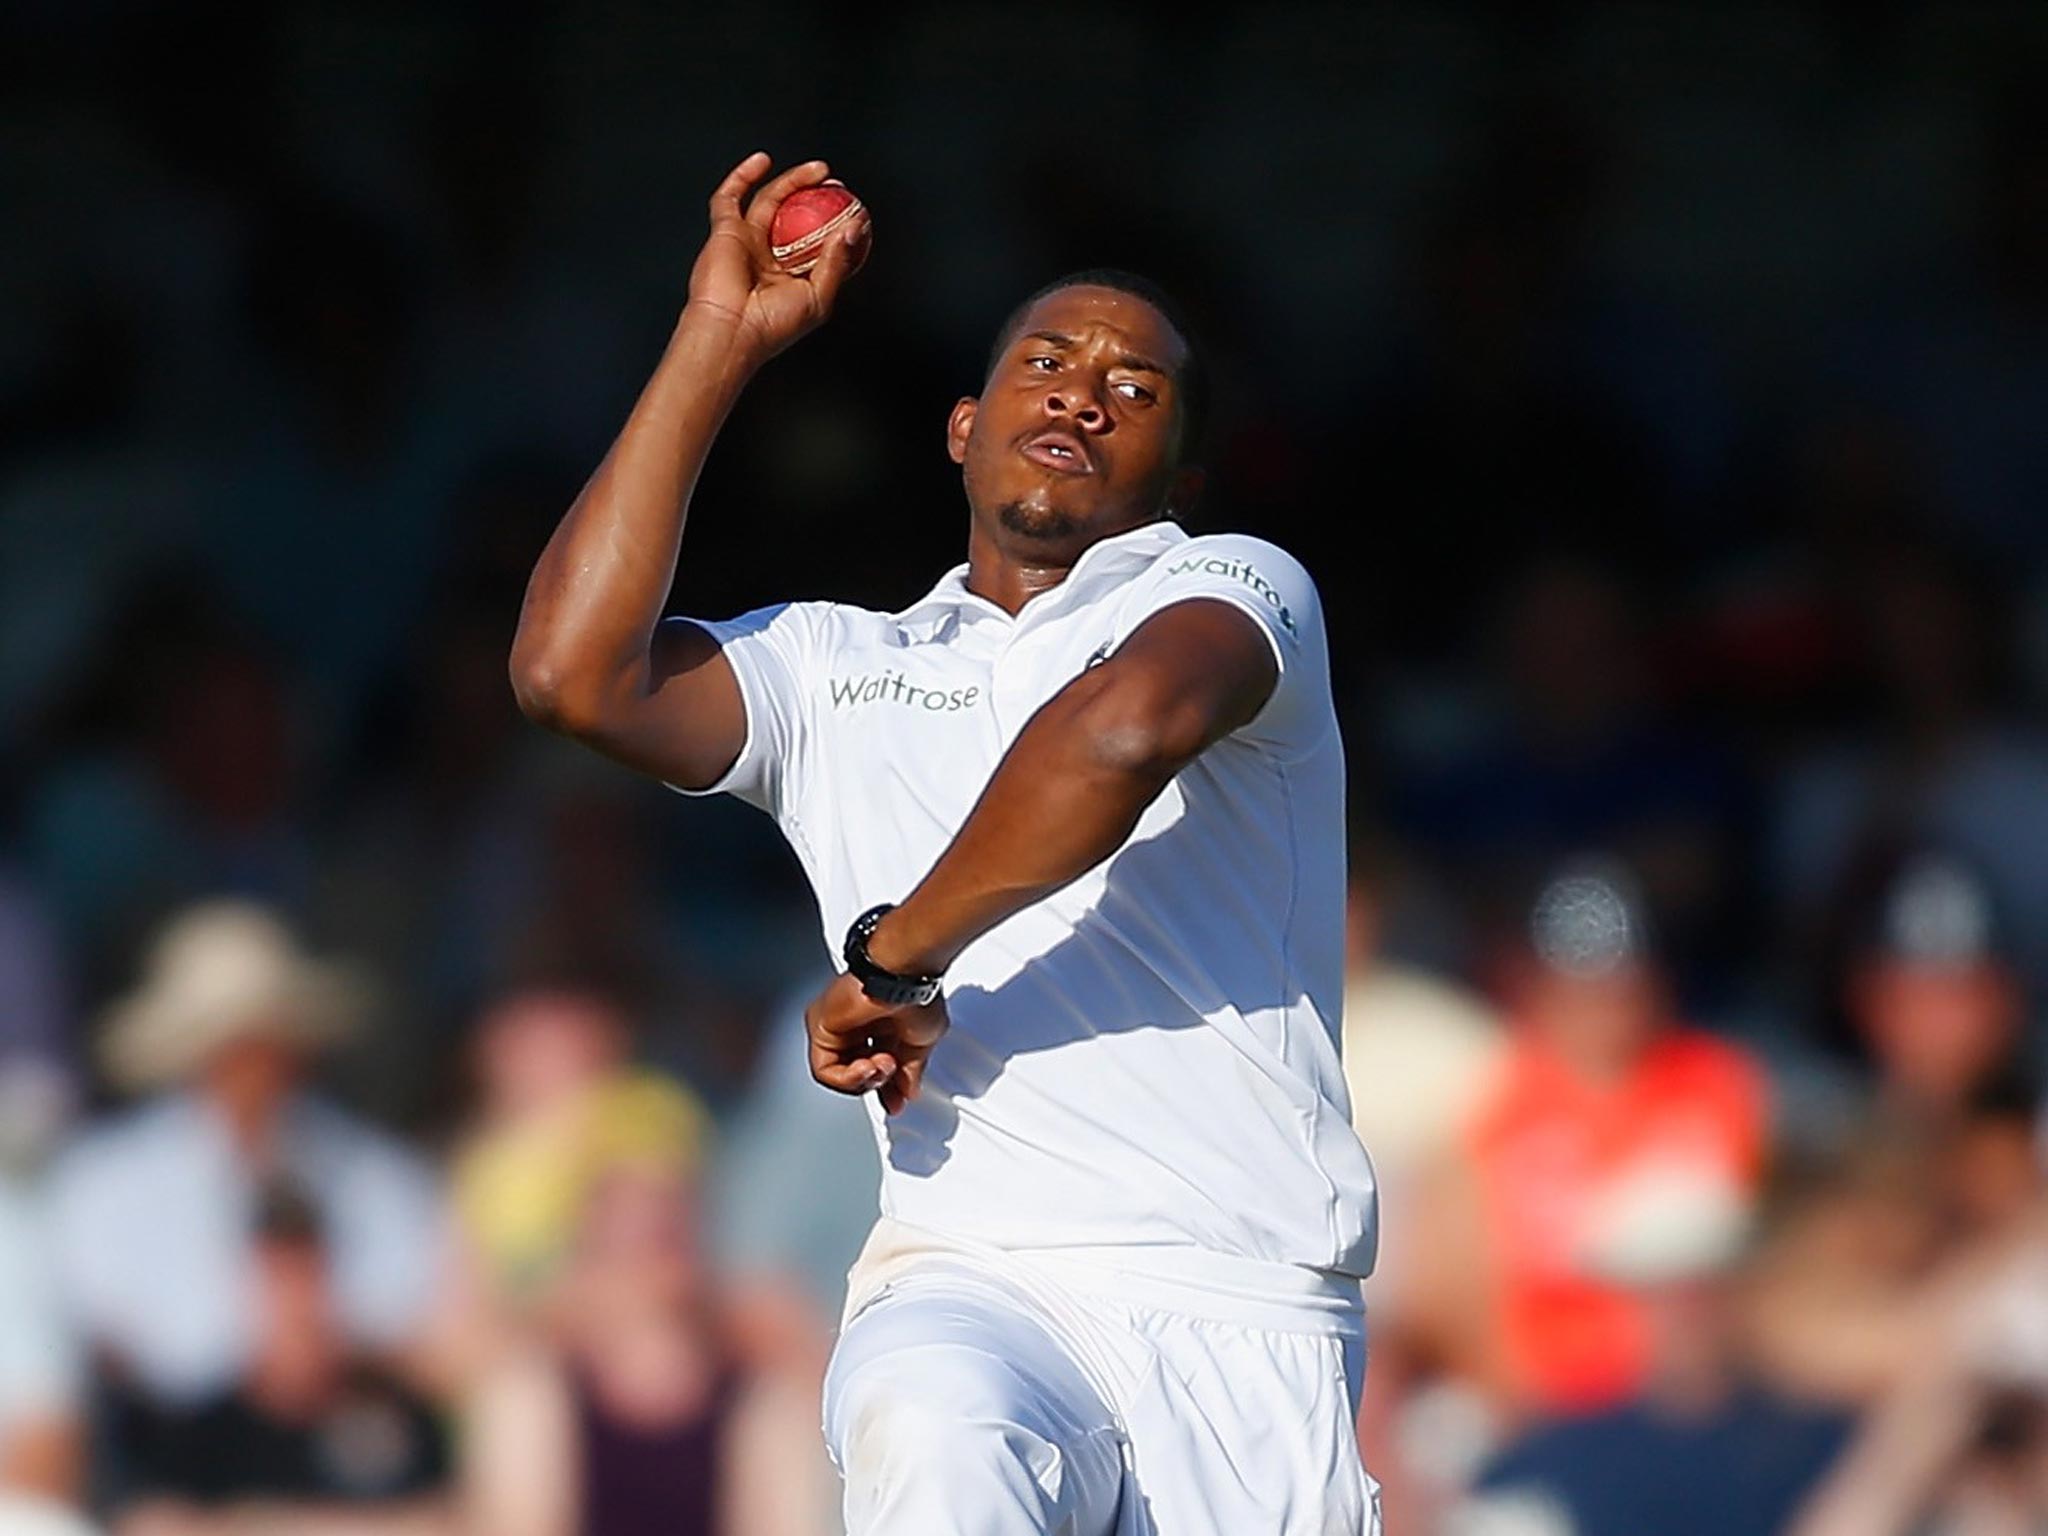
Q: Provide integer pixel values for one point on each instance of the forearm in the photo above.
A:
(1884, 1483)
(1064, 798)
(1071, 788)
(598, 591)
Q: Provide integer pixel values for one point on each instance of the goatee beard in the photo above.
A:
(1037, 522)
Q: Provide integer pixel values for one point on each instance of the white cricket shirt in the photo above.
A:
(1147, 1061)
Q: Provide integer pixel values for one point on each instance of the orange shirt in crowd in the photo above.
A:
(1552, 1150)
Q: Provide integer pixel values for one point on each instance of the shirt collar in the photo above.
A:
(1116, 559)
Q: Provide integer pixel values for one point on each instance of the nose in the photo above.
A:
(1079, 402)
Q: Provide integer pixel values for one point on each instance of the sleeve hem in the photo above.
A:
(1246, 604)
(738, 770)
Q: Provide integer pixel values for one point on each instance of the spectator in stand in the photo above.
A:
(1933, 997)
(1958, 1444)
(311, 1441)
(1941, 1160)
(155, 1209)
(1952, 765)
(558, 1101)
(1420, 1049)
(1601, 1092)
(1702, 1448)
(628, 1413)
(1420, 1053)
(793, 1197)
(172, 770)
(1580, 754)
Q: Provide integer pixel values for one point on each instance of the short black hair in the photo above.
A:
(1192, 382)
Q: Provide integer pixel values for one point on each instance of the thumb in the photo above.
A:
(839, 261)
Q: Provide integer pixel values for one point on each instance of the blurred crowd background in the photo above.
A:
(403, 1116)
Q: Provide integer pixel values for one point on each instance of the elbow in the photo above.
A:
(1135, 735)
(550, 695)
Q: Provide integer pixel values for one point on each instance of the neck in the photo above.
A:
(1600, 1061)
(1010, 586)
(650, 1370)
(251, 1123)
(1009, 576)
(1694, 1377)
(1694, 1390)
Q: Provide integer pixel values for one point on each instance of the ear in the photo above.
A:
(1185, 492)
(960, 427)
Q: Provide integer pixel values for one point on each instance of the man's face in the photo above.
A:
(1076, 434)
(536, 1050)
(1608, 1018)
(1937, 1030)
(252, 1077)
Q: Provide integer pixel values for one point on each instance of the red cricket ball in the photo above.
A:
(808, 218)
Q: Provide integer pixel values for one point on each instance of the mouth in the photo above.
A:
(1061, 452)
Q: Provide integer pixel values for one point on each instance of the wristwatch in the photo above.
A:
(886, 987)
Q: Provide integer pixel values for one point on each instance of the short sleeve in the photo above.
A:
(773, 653)
(1267, 584)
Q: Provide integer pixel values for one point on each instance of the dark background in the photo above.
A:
(1656, 392)
(1732, 316)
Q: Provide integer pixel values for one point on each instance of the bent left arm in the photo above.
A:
(1081, 772)
(1064, 798)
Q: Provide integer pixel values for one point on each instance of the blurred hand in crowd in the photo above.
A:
(1940, 1163)
(1959, 1444)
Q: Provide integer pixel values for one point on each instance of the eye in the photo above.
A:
(1051, 364)
(1131, 389)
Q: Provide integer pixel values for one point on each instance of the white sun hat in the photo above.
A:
(219, 973)
(1672, 1219)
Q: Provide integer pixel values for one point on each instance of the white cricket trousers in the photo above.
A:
(985, 1394)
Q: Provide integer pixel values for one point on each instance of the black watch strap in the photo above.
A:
(886, 987)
